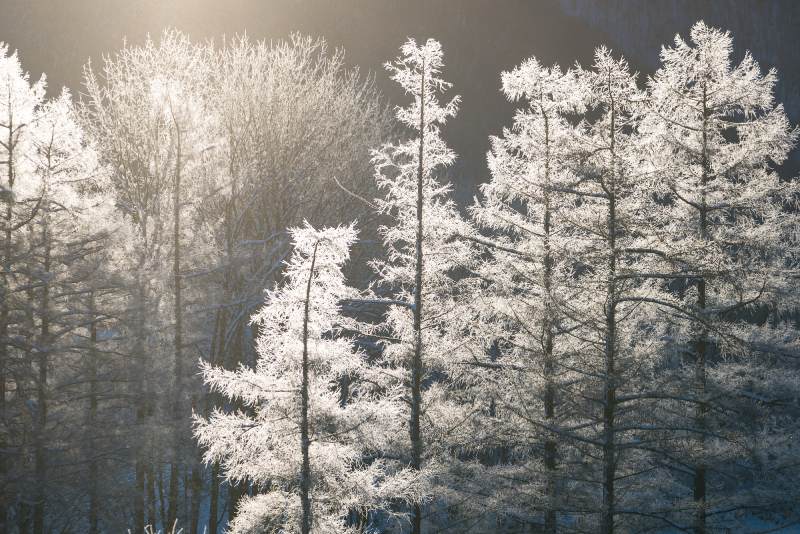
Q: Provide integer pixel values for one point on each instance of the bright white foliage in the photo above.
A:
(261, 444)
(396, 172)
(20, 103)
(726, 218)
(529, 274)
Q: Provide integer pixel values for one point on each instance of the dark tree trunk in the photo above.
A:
(94, 495)
(213, 507)
(140, 395)
(305, 442)
(5, 269)
(197, 493)
(610, 399)
(174, 471)
(550, 517)
(40, 454)
(699, 490)
(416, 363)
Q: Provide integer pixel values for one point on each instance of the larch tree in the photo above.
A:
(298, 442)
(18, 105)
(529, 278)
(614, 301)
(421, 255)
(56, 244)
(289, 118)
(59, 160)
(728, 222)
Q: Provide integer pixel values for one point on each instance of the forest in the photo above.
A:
(237, 294)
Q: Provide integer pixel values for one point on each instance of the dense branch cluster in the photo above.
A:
(605, 341)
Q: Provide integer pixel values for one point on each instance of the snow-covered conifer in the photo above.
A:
(728, 237)
(314, 455)
(421, 252)
(529, 277)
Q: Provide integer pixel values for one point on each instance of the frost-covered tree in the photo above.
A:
(59, 161)
(149, 119)
(298, 441)
(178, 91)
(256, 132)
(289, 118)
(50, 165)
(420, 253)
(728, 236)
(614, 292)
(19, 103)
(529, 277)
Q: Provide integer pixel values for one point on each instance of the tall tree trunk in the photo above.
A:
(40, 456)
(305, 442)
(218, 345)
(416, 363)
(5, 270)
(701, 342)
(236, 490)
(610, 386)
(139, 393)
(94, 497)
(5, 498)
(24, 513)
(550, 518)
(217, 348)
(174, 475)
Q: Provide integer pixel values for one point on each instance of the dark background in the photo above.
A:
(481, 38)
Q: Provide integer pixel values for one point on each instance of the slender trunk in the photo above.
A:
(610, 401)
(236, 490)
(218, 346)
(416, 364)
(174, 475)
(92, 422)
(305, 442)
(699, 490)
(140, 394)
(5, 500)
(197, 492)
(550, 517)
(213, 507)
(40, 456)
(24, 516)
(5, 270)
